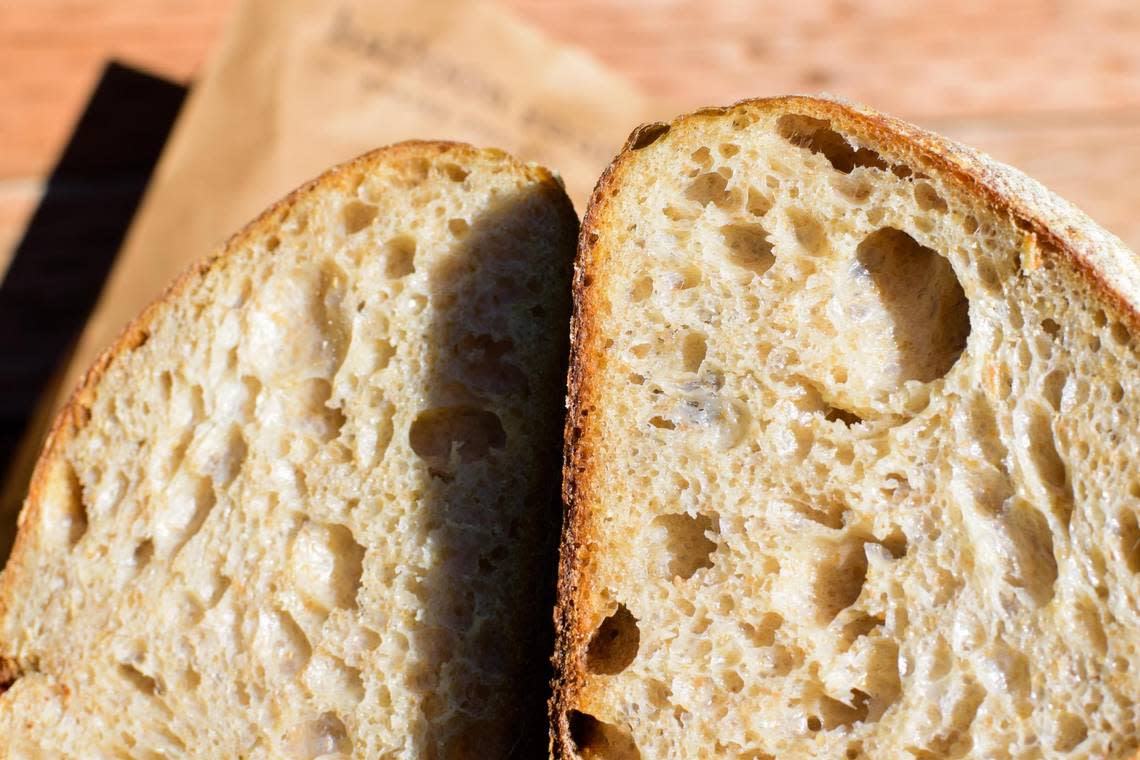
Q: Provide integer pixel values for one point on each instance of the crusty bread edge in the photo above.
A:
(76, 410)
(1070, 236)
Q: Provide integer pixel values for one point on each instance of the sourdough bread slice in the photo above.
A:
(304, 506)
(851, 455)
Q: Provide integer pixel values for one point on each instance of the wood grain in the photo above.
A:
(52, 52)
(1053, 87)
(1062, 68)
(917, 60)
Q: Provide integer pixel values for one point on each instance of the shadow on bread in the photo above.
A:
(487, 625)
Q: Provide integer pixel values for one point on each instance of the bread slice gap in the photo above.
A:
(307, 505)
(850, 452)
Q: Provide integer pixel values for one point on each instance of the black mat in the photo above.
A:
(60, 264)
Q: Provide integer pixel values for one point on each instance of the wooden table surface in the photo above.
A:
(1053, 87)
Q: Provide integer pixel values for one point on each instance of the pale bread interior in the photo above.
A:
(861, 463)
(305, 511)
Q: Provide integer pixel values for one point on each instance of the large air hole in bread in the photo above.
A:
(817, 136)
(687, 543)
(748, 247)
(614, 644)
(918, 291)
(596, 740)
(469, 432)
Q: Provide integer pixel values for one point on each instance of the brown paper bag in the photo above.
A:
(298, 85)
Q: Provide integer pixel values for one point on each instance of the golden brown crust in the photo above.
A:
(570, 632)
(75, 412)
(1060, 231)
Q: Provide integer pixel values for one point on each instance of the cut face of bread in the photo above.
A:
(851, 453)
(305, 506)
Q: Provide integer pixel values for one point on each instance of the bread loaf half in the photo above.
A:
(852, 453)
(301, 508)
